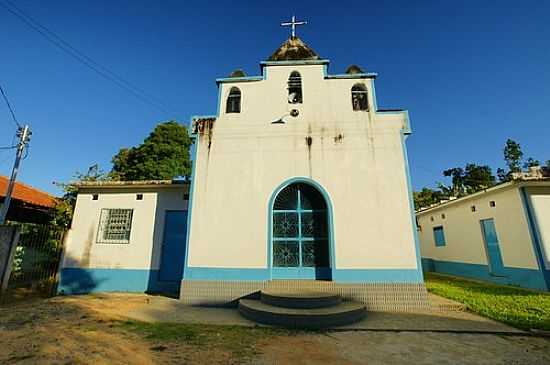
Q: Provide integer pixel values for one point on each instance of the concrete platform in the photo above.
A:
(311, 318)
(161, 309)
(302, 299)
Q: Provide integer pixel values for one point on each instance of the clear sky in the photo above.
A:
(471, 73)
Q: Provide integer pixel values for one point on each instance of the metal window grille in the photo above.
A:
(115, 226)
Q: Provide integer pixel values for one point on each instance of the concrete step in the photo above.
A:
(303, 300)
(341, 314)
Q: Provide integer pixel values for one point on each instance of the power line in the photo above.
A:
(65, 46)
(9, 107)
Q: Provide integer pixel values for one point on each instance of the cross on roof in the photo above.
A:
(293, 23)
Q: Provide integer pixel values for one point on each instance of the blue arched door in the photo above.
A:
(300, 236)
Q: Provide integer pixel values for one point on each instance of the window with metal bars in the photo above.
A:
(359, 97)
(295, 88)
(233, 101)
(115, 226)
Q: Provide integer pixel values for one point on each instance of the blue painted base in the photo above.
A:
(81, 281)
(527, 278)
(337, 275)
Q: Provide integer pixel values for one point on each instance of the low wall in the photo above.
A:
(402, 297)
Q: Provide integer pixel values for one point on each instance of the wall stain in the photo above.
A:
(87, 252)
(309, 142)
(339, 138)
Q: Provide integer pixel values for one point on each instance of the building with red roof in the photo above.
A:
(28, 204)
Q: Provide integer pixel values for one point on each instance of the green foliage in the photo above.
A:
(163, 155)
(513, 155)
(521, 308)
(478, 177)
(65, 206)
(473, 177)
(531, 162)
(427, 197)
(468, 180)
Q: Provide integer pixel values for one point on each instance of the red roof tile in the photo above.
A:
(26, 193)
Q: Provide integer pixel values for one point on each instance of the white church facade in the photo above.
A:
(299, 181)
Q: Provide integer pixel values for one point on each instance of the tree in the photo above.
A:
(531, 162)
(65, 206)
(467, 180)
(426, 197)
(457, 187)
(478, 177)
(163, 155)
(120, 164)
(513, 156)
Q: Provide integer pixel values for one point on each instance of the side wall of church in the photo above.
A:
(358, 157)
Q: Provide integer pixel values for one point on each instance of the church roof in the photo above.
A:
(293, 49)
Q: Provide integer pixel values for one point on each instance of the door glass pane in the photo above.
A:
(314, 253)
(285, 224)
(310, 198)
(314, 224)
(286, 254)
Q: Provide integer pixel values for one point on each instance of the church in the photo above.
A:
(299, 182)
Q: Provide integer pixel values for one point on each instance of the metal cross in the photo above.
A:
(293, 24)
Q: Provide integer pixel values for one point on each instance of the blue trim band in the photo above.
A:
(527, 278)
(369, 75)
(239, 79)
(294, 62)
(338, 275)
(81, 281)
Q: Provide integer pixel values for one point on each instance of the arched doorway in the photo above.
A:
(300, 233)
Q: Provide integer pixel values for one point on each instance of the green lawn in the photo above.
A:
(521, 308)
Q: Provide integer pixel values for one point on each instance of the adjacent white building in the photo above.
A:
(126, 236)
(500, 235)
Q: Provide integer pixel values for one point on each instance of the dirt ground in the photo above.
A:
(93, 330)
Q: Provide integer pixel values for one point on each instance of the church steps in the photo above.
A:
(300, 300)
(302, 310)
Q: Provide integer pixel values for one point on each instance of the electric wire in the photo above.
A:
(9, 107)
(72, 51)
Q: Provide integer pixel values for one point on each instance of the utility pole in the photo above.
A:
(24, 134)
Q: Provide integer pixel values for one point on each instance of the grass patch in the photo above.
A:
(521, 308)
(239, 341)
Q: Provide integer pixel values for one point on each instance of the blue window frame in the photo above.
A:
(439, 236)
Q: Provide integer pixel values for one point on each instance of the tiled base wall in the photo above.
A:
(402, 297)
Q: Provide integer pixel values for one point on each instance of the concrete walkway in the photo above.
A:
(446, 316)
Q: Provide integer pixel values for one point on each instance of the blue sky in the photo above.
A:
(471, 73)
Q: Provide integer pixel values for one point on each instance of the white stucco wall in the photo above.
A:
(356, 156)
(540, 201)
(143, 250)
(463, 233)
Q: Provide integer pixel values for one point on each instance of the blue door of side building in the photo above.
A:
(496, 267)
(173, 245)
